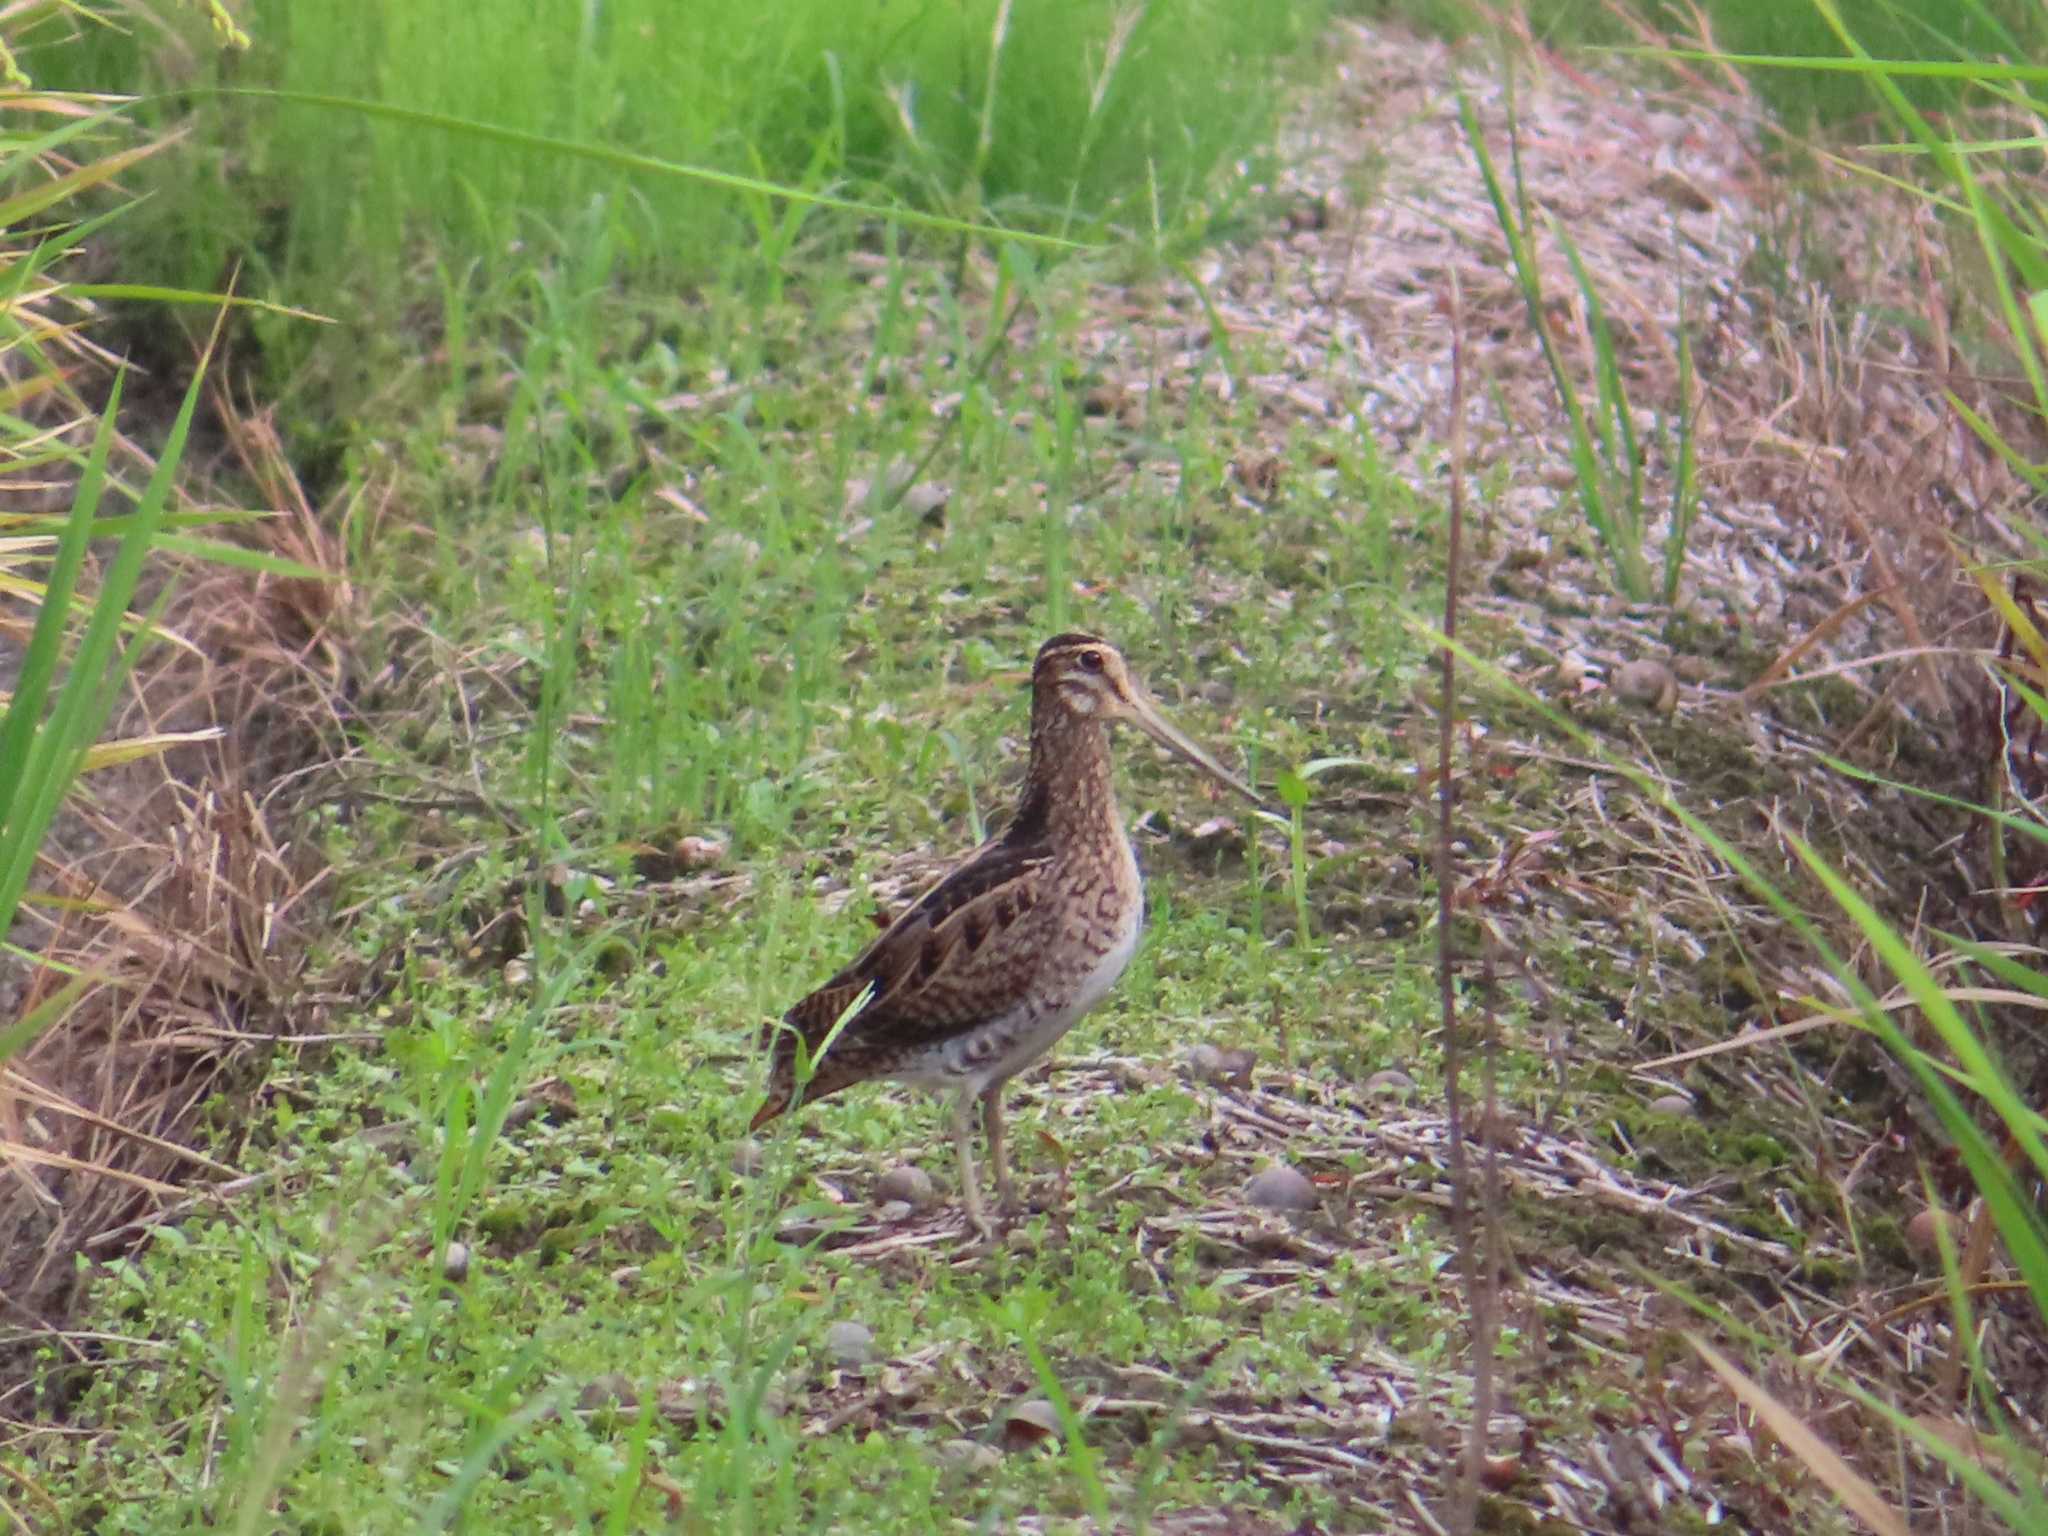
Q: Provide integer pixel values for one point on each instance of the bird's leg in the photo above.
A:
(963, 1144)
(998, 1152)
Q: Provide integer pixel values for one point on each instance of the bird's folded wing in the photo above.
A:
(955, 958)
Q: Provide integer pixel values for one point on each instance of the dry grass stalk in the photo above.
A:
(175, 894)
(1463, 1506)
(1790, 1426)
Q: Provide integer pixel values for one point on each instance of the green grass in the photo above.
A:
(818, 680)
(629, 591)
(1070, 115)
(1894, 29)
(563, 1024)
(617, 1243)
(1609, 463)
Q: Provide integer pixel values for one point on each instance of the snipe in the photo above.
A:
(996, 961)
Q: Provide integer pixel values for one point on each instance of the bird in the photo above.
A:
(990, 966)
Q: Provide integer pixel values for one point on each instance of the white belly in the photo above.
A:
(1096, 984)
(1031, 1033)
(1007, 1045)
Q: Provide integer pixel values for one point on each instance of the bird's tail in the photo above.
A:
(776, 1102)
(780, 1044)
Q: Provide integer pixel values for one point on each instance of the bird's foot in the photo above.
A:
(983, 1230)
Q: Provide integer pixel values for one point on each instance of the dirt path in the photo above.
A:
(1830, 475)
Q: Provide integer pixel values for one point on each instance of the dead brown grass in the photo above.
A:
(175, 893)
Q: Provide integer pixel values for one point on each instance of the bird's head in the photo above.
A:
(1085, 676)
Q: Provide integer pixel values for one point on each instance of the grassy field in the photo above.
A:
(758, 651)
(701, 546)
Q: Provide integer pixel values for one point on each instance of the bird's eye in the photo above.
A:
(1091, 661)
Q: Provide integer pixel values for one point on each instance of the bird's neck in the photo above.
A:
(1069, 794)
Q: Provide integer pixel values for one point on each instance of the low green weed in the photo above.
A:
(1608, 459)
(768, 660)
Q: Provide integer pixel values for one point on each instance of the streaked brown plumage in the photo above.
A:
(996, 961)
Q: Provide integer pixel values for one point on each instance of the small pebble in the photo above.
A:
(1031, 1422)
(905, 1184)
(455, 1261)
(927, 501)
(969, 1455)
(1649, 682)
(1672, 1104)
(1280, 1188)
(699, 852)
(747, 1158)
(1390, 1084)
(850, 1344)
(614, 1389)
(1920, 1232)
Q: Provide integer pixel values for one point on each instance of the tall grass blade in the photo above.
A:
(1821, 1459)
(40, 757)
(1629, 576)
(1685, 491)
(652, 165)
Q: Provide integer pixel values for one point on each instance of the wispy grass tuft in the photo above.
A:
(1074, 114)
(1982, 183)
(84, 640)
(1608, 457)
(1962, 1079)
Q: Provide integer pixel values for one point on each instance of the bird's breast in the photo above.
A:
(1102, 915)
(1100, 909)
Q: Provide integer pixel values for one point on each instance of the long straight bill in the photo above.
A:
(1146, 715)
